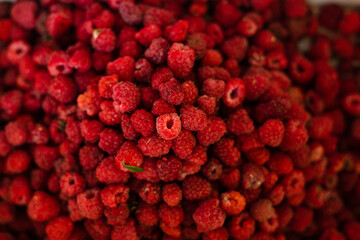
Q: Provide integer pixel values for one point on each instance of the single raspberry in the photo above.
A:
(252, 176)
(16, 133)
(293, 182)
(198, 156)
(161, 75)
(239, 122)
(110, 140)
(280, 163)
(177, 32)
(181, 60)
(147, 214)
(320, 127)
(89, 203)
(232, 202)
(158, 16)
(172, 216)
(208, 216)
(193, 119)
(58, 22)
(97, 228)
(43, 207)
(89, 156)
(149, 173)
(207, 104)
(227, 152)
(130, 12)
(58, 65)
(295, 136)
(150, 192)
(212, 58)
(126, 231)
(184, 144)
(60, 228)
(213, 88)
(190, 92)
(171, 194)
(197, 42)
(5, 146)
(226, 14)
(117, 216)
(168, 168)
(63, 89)
(147, 34)
(106, 84)
(19, 191)
(332, 233)
(90, 130)
(126, 97)
(258, 155)
(103, 40)
(114, 195)
(128, 154)
(45, 156)
(107, 172)
(11, 103)
(154, 146)
(127, 129)
(72, 184)
(212, 170)
(302, 218)
(168, 126)
(237, 53)
(143, 122)
(262, 210)
(234, 92)
(17, 162)
(351, 104)
(195, 188)
(124, 67)
(157, 51)
(349, 23)
(160, 107)
(215, 129)
(148, 96)
(172, 92)
(301, 69)
(242, 226)
(271, 132)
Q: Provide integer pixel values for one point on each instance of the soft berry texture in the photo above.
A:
(168, 126)
(209, 216)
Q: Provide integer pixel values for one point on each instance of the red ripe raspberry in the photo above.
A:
(90, 130)
(149, 174)
(147, 214)
(143, 70)
(143, 122)
(80, 60)
(158, 16)
(351, 104)
(219, 234)
(293, 183)
(97, 229)
(58, 64)
(124, 67)
(110, 140)
(256, 84)
(7, 214)
(126, 97)
(168, 126)
(130, 12)
(177, 32)
(207, 104)
(235, 47)
(280, 163)
(226, 14)
(215, 129)
(89, 156)
(262, 210)
(147, 34)
(242, 226)
(114, 195)
(160, 76)
(60, 228)
(5, 147)
(213, 88)
(181, 60)
(350, 23)
(193, 119)
(302, 219)
(271, 132)
(150, 192)
(19, 191)
(160, 107)
(252, 176)
(184, 144)
(301, 69)
(45, 156)
(16, 133)
(172, 92)
(212, 58)
(89, 203)
(17, 162)
(197, 42)
(149, 96)
(107, 172)
(230, 178)
(295, 136)
(320, 127)
(24, 14)
(72, 184)
(127, 129)
(315, 196)
(154, 146)
(195, 188)
(63, 89)
(168, 168)
(58, 22)
(332, 233)
(295, 9)
(190, 92)
(126, 231)
(106, 84)
(103, 40)
(234, 92)
(11, 103)
(226, 152)
(239, 122)
(128, 154)
(258, 155)
(117, 216)
(171, 194)
(232, 202)
(171, 216)
(157, 51)
(208, 216)
(43, 207)
(212, 169)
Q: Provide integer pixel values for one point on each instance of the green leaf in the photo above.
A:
(132, 168)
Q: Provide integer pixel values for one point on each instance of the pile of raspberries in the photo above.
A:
(179, 120)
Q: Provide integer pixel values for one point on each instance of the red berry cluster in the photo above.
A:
(179, 120)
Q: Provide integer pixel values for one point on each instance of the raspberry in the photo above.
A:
(208, 216)
(126, 231)
(171, 194)
(146, 35)
(107, 172)
(198, 43)
(126, 97)
(207, 104)
(114, 195)
(271, 132)
(58, 22)
(195, 188)
(168, 169)
(16, 134)
(162, 75)
(234, 92)
(184, 144)
(193, 119)
(168, 126)
(293, 183)
(302, 219)
(172, 216)
(90, 130)
(157, 51)
(212, 169)
(147, 214)
(7, 213)
(143, 122)
(110, 140)
(72, 184)
(351, 104)
(63, 89)
(295, 8)
(150, 192)
(42, 207)
(212, 133)
(256, 84)
(320, 127)
(123, 67)
(17, 162)
(58, 65)
(160, 107)
(226, 152)
(130, 12)
(89, 203)
(332, 233)
(172, 92)
(240, 123)
(154, 146)
(89, 156)
(177, 32)
(11, 103)
(237, 53)
(295, 136)
(198, 156)
(190, 92)
(149, 96)
(60, 228)
(252, 176)
(19, 191)
(301, 69)
(103, 40)
(157, 16)
(349, 23)
(106, 84)
(128, 154)
(258, 155)
(226, 14)
(127, 129)
(213, 88)
(242, 226)
(280, 163)
(262, 210)
(220, 234)
(181, 60)
(149, 173)
(45, 156)
(232, 202)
